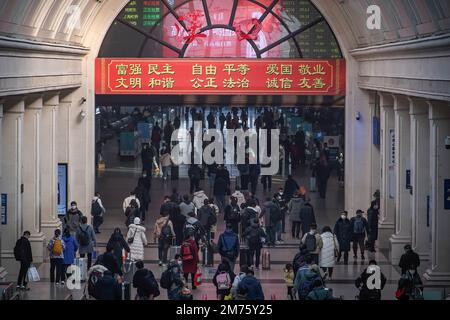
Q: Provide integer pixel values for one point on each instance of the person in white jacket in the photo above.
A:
(126, 202)
(137, 233)
(239, 196)
(199, 198)
(327, 255)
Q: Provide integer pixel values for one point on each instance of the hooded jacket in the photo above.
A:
(159, 224)
(199, 198)
(294, 208)
(240, 197)
(253, 286)
(268, 208)
(140, 240)
(330, 244)
(118, 243)
(71, 247)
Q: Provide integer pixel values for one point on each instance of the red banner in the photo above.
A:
(220, 76)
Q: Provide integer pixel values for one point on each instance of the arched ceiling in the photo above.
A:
(57, 21)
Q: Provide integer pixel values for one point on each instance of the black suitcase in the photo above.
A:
(126, 291)
(174, 172)
(208, 253)
(243, 256)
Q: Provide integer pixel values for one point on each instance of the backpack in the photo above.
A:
(229, 252)
(166, 232)
(310, 242)
(153, 284)
(57, 248)
(358, 226)
(166, 279)
(212, 219)
(83, 237)
(253, 237)
(18, 250)
(186, 252)
(223, 281)
(96, 209)
(306, 285)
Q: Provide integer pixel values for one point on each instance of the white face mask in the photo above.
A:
(74, 207)
(343, 217)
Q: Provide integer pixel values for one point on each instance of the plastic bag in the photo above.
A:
(198, 278)
(32, 274)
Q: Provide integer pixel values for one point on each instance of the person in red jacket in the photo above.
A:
(189, 256)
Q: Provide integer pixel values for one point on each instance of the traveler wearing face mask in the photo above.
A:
(343, 232)
(72, 220)
(313, 242)
(409, 259)
(359, 228)
(410, 286)
(372, 220)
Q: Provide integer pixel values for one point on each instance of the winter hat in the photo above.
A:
(137, 220)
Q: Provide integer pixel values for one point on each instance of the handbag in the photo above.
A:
(400, 293)
(32, 274)
(131, 240)
(198, 278)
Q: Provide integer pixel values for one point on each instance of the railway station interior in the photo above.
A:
(76, 111)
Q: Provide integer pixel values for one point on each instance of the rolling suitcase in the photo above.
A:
(129, 269)
(126, 291)
(266, 260)
(243, 256)
(81, 263)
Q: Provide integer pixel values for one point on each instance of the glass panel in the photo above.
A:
(286, 49)
(121, 41)
(220, 11)
(319, 43)
(220, 43)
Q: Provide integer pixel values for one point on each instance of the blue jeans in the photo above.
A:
(279, 229)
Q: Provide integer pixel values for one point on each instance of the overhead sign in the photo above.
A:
(220, 76)
(4, 211)
(447, 194)
(62, 188)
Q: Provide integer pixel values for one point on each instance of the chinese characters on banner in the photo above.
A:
(220, 76)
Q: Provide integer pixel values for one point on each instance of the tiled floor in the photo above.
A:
(120, 177)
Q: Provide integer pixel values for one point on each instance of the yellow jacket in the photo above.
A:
(289, 278)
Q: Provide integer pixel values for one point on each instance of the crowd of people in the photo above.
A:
(187, 236)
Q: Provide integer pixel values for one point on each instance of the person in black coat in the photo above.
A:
(147, 159)
(290, 187)
(194, 174)
(362, 281)
(323, 173)
(145, 282)
(233, 214)
(23, 254)
(178, 221)
(144, 199)
(409, 260)
(220, 191)
(254, 173)
(372, 220)
(118, 244)
(307, 217)
(108, 260)
(107, 287)
(343, 232)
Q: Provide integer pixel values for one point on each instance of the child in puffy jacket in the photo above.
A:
(289, 279)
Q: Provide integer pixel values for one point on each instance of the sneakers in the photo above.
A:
(160, 263)
(57, 283)
(277, 242)
(62, 283)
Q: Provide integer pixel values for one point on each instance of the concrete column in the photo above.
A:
(403, 197)
(387, 190)
(11, 181)
(375, 162)
(439, 271)
(2, 269)
(49, 169)
(420, 176)
(31, 200)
